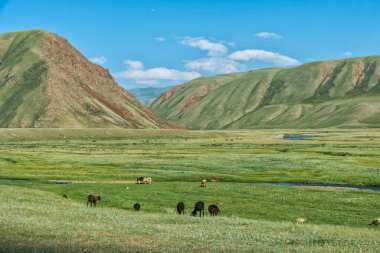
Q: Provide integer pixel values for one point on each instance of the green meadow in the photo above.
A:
(38, 166)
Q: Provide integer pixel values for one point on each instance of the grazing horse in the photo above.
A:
(140, 180)
(199, 207)
(92, 200)
(181, 208)
(65, 196)
(213, 210)
(137, 207)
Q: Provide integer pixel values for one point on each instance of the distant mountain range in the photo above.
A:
(337, 93)
(45, 82)
(147, 95)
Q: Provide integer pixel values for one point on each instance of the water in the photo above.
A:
(296, 137)
(345, 186)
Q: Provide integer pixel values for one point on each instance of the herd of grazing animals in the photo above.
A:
(198, 207)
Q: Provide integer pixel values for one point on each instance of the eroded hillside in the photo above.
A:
(46, 82)
(341, 93)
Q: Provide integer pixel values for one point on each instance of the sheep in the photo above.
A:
(137, 207)
(181, 208)
(375, 222)
(144, 180)
(213, 210)
(199, 207)
(203, 183)
(92, 200)
(147, 180)
(300, 221)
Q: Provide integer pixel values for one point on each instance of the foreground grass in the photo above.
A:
(36, 221)
(261, 202)
(254, 218)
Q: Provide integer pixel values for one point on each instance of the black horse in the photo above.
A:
(136, 207)
(199, 207)
(181, 208)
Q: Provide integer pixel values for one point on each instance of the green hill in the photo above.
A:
(341, 93)
(45, 82)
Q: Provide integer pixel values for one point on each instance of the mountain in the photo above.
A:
(147, 95)
(46, 82)
(338, 93)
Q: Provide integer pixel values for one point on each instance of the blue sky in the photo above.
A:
(160, 43)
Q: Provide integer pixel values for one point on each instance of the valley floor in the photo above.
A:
(34, 217)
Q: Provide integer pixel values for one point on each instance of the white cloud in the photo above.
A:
(137, 73)
(134, 64)
(263, 56)
(160, 39)
(151, 82)
(213, 48)
(268, 35)
(158, 73)
(347, 54)
(213, 64)
(99, 60)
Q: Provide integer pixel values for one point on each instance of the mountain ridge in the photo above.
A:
(46, 82)
(333, 93)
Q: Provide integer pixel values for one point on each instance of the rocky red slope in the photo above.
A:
(46, 82)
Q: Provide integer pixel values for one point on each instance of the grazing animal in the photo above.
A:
(199, 207)
(203, 183)
(181, 208)
(65, 196)
(137, 207)
(375, 222)
(147, 180)
(213, 210)
(300, 221)
(144, 180)
(92, 200)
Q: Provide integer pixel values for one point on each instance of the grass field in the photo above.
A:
(254, 217)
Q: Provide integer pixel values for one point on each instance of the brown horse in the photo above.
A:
(213, 210)
(92, 200)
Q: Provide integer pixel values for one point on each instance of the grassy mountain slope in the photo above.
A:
(341, 93)
(45, 82)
